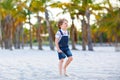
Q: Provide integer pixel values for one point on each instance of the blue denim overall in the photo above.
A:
(63, 45)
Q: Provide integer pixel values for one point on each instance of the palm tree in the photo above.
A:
(84, 11)
(30, 30)
(29, 12)
(0, 32)
(90, 47)
(49, 29)
(84, 34)
(85, 5)
(13, 17)
(42, 8)
(73, 34)
(114, 23)
(1, 26)
(19, 18)
(39, 38)
(8, 7)
(36, 7)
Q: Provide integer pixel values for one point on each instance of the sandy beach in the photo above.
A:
(101, 64)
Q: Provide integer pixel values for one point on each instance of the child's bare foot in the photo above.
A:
(66, 75)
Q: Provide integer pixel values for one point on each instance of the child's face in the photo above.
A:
(64, 25)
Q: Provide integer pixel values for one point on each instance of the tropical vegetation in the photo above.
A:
(14, 14)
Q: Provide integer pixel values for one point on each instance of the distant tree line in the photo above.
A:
(15, 13)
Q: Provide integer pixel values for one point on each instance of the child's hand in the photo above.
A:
(60, 51)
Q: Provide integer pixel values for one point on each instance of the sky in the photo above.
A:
(54, 12)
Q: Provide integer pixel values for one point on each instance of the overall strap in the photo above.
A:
(61, 32)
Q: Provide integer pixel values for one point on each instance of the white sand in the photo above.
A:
(101, 64)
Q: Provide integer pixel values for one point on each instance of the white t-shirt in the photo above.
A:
(59, 35)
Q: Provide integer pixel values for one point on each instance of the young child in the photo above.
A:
(61, 42)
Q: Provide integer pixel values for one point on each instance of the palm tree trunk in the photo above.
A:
(49, 30)
(30, 32)
(101, 39)
(39, 39)
(90, 46)
(18, 35)
(38, 33)
(8, 32)
(73, 41)
(17, 38)
(10, 40)
(117, 45)
(22, 35)
(83, 34)
(73, 36)
(0, 32)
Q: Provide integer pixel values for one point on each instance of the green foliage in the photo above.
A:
(76, 1)
(86, 2)
(37, 5)
(7, 4)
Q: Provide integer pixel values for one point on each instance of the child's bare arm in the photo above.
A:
(57, 45)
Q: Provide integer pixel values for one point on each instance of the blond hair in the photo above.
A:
(60, 22)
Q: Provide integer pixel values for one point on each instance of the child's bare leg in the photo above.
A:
(60, 66)
(66, 64)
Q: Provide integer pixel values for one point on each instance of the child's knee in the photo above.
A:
(70, 58)
(62, 60)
